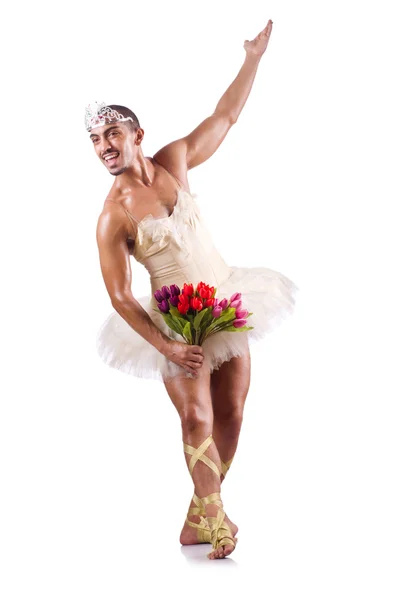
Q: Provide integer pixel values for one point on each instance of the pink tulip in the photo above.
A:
(236, 304)
(242, 313)
(216, 311)
(223, 303)
(239, 322)
(235, 296)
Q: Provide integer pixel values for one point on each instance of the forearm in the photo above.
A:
(233, 100)
(137, 318)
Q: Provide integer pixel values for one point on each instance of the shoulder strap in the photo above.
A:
(129, 215)
(168, 171)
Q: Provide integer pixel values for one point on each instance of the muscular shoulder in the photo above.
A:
(112, 223)
(173, 157)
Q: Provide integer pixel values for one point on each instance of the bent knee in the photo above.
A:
(195, 417)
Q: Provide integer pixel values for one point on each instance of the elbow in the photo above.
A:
(120, 300)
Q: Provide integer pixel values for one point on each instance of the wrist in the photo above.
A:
(253, 59)
(164, 344)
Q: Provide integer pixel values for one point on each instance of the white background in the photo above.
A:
(94, 482)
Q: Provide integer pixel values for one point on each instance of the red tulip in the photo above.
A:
(205, 290)
(196, 303)
(183, 299)
(183, 305)
(183, 308)
(209, 302)
(188, 289)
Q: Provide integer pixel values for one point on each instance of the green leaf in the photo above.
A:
(229, 314)
(182, 319)
(187, 332)
(198, 318)
(175, 313)
(172, 323)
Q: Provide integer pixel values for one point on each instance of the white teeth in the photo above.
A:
(110, 156)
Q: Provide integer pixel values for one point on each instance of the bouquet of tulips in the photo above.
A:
(196, 314)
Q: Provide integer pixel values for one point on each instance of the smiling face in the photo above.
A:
(116, 145)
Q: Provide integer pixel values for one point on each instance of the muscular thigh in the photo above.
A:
(230, 384)
(191, 396)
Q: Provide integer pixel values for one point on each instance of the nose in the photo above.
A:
(104, 147)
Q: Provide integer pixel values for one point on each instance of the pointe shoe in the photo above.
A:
(221, 534)
(203, 530)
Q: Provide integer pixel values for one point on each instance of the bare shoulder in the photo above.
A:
(112, 224)
(173, 157)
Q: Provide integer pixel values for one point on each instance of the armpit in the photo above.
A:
(130, 244)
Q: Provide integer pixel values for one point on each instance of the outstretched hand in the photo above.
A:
(258, 45)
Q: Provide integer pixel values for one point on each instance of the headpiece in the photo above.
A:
(99, 114)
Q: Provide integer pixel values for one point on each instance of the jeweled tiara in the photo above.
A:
(99, 114)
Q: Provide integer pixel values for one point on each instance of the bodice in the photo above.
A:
(179, 248)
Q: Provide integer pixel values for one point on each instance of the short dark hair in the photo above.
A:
(127, 112)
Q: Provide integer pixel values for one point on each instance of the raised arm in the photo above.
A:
(195, 148)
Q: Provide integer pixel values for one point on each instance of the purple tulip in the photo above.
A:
(216, 301)
(242, 313)
(235, 296)
(239, 322)
(163, 306)
(236, 304)
(175, 291)
(216, 311)
(166, 292)
(158, 295)
(173, 300)
(223, 303)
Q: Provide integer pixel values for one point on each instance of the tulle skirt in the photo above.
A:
(268, 294)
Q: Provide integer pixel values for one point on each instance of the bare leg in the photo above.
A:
(192, 399)
(229, 388)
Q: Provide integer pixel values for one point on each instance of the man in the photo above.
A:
(210, 405)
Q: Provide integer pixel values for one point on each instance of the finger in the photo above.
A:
(196, 353)
(265, 32)
(196, 357)
(192, 371)
(193, 365)
(197, 349)
(195, 361)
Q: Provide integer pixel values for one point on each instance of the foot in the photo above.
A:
(189, 534)
(223, 526)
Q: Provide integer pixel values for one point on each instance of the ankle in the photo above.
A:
(211, 510)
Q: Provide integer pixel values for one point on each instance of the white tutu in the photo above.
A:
(179, 249)
(268, 294)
